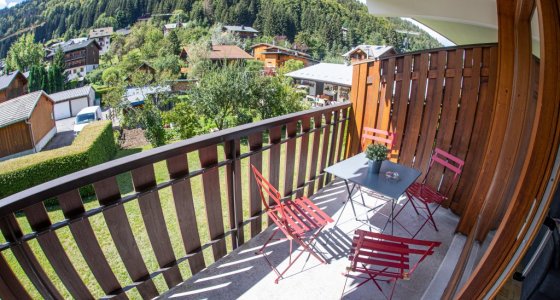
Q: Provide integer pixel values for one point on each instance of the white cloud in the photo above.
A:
(12, 4)
(3, 4)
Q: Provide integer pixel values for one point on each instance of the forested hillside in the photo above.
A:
(316, 22)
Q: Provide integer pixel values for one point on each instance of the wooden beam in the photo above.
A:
(535, 175)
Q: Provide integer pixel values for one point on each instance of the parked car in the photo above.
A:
(86, 116)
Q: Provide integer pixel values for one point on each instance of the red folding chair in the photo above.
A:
(433, 195)
(372, 135)
(380, 257)
(300, 220)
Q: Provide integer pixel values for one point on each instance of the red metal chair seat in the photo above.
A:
(382, 257)
(426, 194)
(300, 220)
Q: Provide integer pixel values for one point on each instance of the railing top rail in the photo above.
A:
(88, 176)
(484, 45)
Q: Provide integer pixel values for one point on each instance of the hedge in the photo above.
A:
(93, 146)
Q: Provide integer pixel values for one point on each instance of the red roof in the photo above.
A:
(219, 52)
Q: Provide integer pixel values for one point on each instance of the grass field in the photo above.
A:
(138, 226)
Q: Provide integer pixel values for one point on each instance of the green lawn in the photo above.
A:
(138, 226)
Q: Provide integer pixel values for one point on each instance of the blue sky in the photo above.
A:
(8, 3)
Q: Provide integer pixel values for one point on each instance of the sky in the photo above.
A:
(8, 3)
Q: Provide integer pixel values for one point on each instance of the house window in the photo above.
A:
(81, 69)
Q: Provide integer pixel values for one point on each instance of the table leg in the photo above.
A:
(346, 203)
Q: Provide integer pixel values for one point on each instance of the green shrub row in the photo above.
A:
(93, 146)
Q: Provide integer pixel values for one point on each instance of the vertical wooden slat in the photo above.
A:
(144, 179)
(317, 120)
(416, 107)
(10, 286)
(275, 136)
(235, 203)
(449, 111)
(27, 260)
(371, 97)
(334, 141)
(50, 244)
(404, 67)
(304, 151)
(325, 148)
(72, 207)
(184, 207)
(386, 96)
(107, 192)
(431, 112)
(255, 201)
(212, 199)
(290, 158)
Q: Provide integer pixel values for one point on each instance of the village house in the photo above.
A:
(79, 58)
(366, 52)
(103, 37)
(167, 28)
(222, 53)
(324, 83)
(244, 32)
(275, 56)
(26, 124)
(12, 85)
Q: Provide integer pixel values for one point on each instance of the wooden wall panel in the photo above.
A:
(255, 201)
(428, 99)
(15, 138)
(42, 118)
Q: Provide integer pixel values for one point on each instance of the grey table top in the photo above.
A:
(356, 170)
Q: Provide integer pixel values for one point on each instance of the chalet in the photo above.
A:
(167, 28)
(79, 58)
(103, 37)
(26, 124)
(221, 53)
(275, 56)
(244, 32)
(144, 68)
(12, 85)
(365, 52)
(325, 82)
(69, 103)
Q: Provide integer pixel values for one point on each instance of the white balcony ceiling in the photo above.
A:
(462, 22)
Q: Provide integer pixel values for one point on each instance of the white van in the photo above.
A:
(86, 116)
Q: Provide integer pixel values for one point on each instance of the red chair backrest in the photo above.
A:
(370, 135)
(448, 161)
(267, 187)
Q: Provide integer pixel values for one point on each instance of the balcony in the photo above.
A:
(192, 231)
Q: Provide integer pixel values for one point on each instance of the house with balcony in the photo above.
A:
(275, 56)
(80, 58)
(243, 32)
(189, 220)
(365, 52)
(103, 38)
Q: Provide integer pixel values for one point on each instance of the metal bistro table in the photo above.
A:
(356, 171)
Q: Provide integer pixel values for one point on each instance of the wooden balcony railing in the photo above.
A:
(294, 148)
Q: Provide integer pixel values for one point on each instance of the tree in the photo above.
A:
(35, 79)
(152, 122)
(290, 66)
(184, 119)
(174, 42)
(24, 53)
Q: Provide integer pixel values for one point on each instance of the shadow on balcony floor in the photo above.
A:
(244, 275)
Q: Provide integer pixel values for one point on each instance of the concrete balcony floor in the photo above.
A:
(244, 275)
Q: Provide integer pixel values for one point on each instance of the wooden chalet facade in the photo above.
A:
(12, 86)
(26, 124)
(79, 58)
(222, 53)
(275, 56)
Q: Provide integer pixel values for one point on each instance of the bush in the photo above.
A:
(93, 146)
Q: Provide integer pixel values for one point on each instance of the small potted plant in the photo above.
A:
(376, 153)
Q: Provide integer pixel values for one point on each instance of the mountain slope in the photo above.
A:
(314, 20)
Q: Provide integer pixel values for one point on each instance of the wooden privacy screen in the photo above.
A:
(211, 205)
(442, 98)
